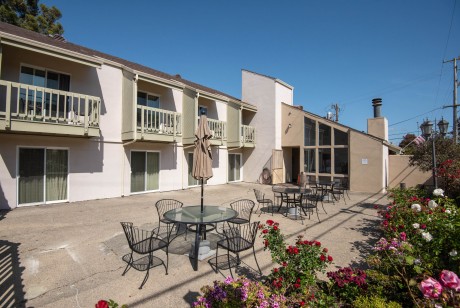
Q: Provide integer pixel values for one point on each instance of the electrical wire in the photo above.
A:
(415, 117)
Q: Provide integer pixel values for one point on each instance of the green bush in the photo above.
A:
(373, 302)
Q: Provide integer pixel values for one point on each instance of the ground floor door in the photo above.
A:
(234, 167)
(295, 163)
(43, 175)
(145, 171)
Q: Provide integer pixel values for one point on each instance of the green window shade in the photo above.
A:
(234, 166)
(153, 171)
(56, 174)
(31, 176)
(137, 171)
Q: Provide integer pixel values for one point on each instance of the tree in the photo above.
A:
(28, 14)
(447, 162)
(407, 144)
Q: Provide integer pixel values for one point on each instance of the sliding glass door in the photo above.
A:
(234, 167)
(43, 175)
(145, 171)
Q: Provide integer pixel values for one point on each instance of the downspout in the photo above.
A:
(133, 119)
(123, 169)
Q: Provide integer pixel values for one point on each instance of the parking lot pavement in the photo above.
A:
(69, 255)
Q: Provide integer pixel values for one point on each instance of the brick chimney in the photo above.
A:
(378, 125)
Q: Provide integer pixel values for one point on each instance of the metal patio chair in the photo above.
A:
(238, 238)
(244, 208)
(143, 242)
(162, 207)
(260, 197)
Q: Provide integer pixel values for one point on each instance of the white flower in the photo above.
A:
(453, 253)
(427, 236)
(416, 225)
(448, 212)
(417, 262)
(432, 204)
(429, 218)
(416, 207)
(438, 192)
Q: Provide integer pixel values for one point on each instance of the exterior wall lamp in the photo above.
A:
(427, 132)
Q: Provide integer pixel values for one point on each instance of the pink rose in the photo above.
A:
(450, 280)
(430, 287)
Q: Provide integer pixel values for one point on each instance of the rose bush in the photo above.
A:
(108, 304)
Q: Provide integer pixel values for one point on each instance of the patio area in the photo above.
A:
(69, 255)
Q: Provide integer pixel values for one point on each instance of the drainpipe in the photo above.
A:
(123, 166)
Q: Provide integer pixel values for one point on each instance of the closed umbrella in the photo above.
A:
(202, 156)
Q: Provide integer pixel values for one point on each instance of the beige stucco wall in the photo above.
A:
(401, 172)
(378, 127)
(292, 136)
(366, 156)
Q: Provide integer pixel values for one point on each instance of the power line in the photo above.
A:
(415, 117)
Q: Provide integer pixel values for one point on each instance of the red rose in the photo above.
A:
(270, 222)
(285, 264)
(275, 228)
(325, 250)
(275, 270)
(266, 243)
(329, 258)
(422, 226)
(265, 231)
(302, 303)
(322, 258)
(317, 243)
(296, 285)
(102, 304)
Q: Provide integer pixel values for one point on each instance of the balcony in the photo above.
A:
(218, 131)
(29, 109)
(155, 124)
(248, 136)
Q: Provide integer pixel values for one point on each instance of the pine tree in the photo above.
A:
(28, 14)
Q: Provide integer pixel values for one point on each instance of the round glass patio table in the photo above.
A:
(192, 215)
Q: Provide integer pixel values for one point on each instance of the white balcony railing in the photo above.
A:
(248, 134)
(218, 129)
(25, 102)
(158, 121)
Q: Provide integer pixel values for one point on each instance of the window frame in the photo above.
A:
(147, 93)
(145, 171)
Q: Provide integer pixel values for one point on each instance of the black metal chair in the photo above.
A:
(143, 242)
(341, 188)
(162, 207)
(310, 203)
(292, 200)
(238, 238)
(260, 197)
(244, 208)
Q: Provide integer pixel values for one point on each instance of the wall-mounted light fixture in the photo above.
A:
(290, 125)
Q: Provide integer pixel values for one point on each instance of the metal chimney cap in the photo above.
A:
(377, 102)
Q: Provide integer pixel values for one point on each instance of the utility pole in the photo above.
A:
(454, 106)
(337, 110)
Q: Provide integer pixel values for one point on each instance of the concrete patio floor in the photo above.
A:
(69, 255)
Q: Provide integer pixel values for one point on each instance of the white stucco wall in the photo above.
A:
(260, 91)
(110, 80)
(283, 94)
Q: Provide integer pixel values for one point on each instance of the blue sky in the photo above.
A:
(331, 51)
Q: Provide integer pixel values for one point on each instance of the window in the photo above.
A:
(42, 175)
(148, 100)
(324, 134)
(145, 171)
(234, 167)
(341, 161)
(340, 137)
(43, 78)
(309, 160)
(324, 159)
(310, 132)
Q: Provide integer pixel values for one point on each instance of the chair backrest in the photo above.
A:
(247, 232)
(259, 195)
(165, 205)
(244, 208)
